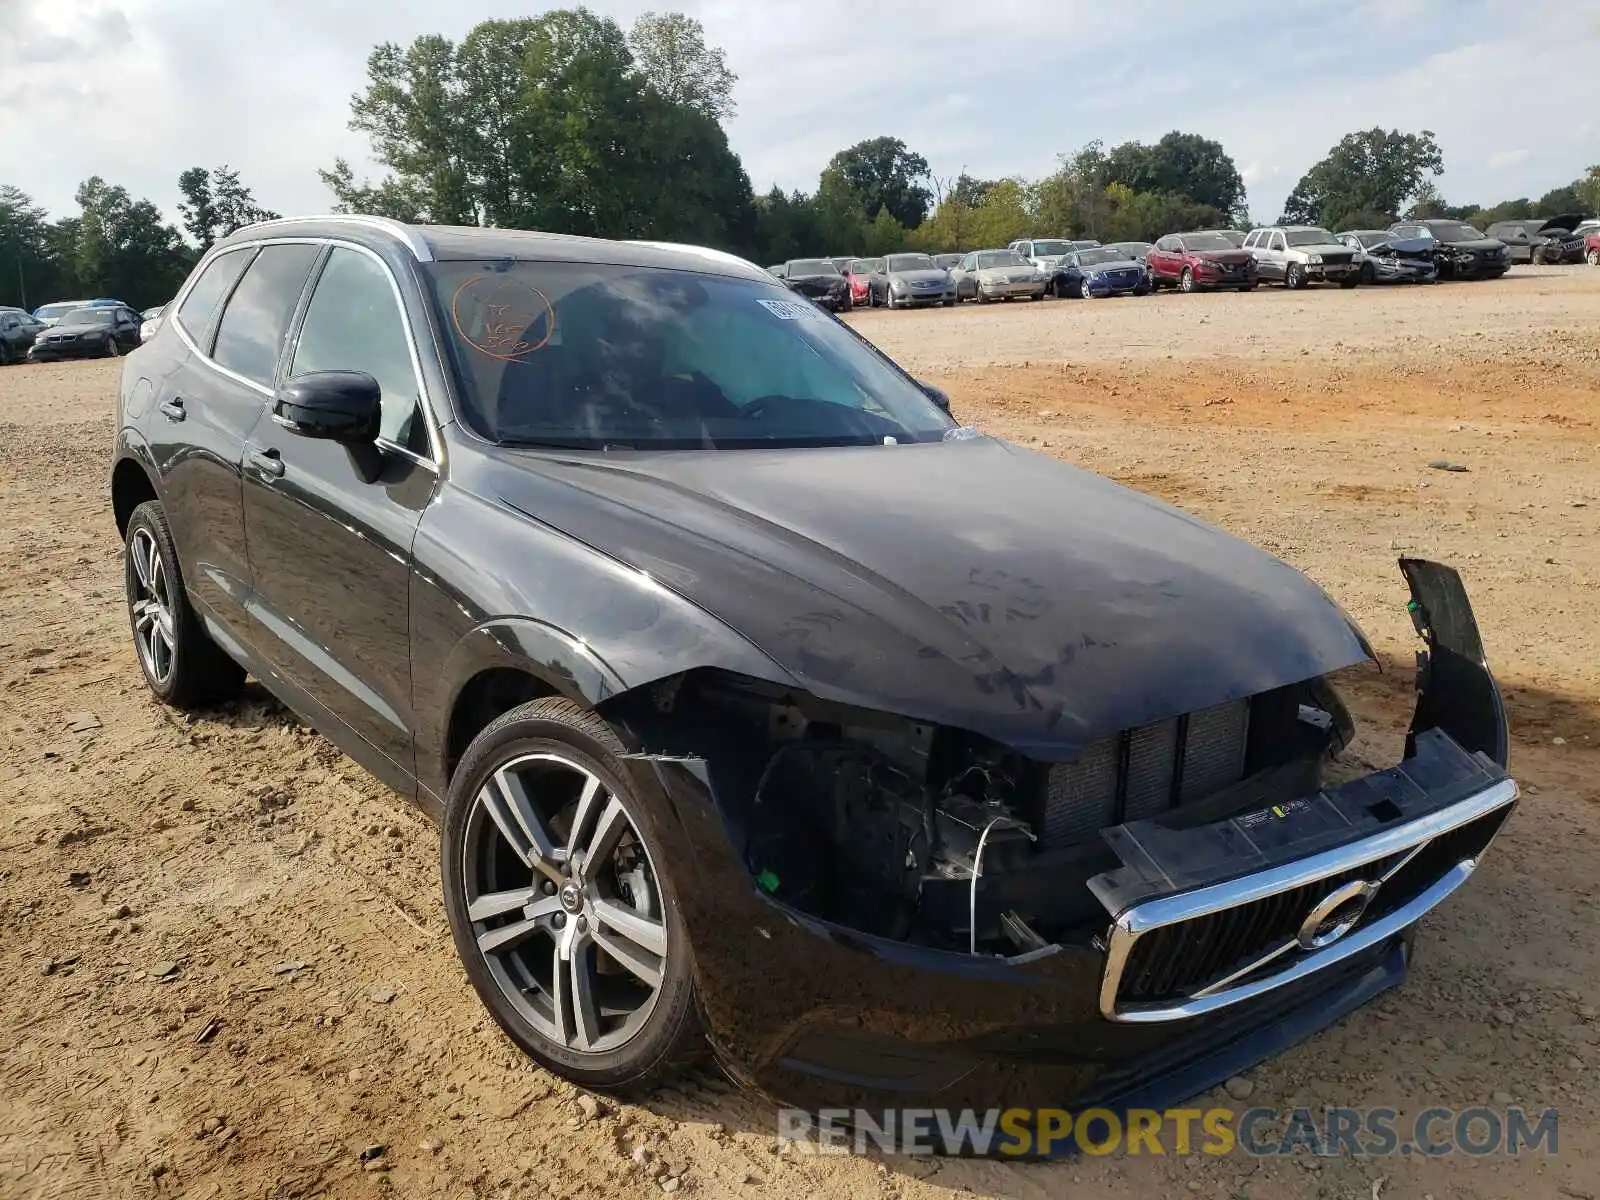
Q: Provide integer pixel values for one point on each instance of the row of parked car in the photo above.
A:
(73, 329)
(1292, 255)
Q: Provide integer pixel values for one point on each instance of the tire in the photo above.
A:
(180, 662)
(982, 299)
(1592, 257)
(1142, 290)
(1085, 291)
(5, 353)
(113, 348)
(1247, 287)
(1349, 281)
(849, 303)
(1294, 277)
(1369, 273)
(558, 741)
(948, 302)
(1186, 281)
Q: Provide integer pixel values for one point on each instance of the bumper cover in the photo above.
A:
(819, 1015)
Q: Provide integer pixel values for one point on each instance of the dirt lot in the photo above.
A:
(224, 941)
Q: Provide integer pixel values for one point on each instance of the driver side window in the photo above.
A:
(354, 324)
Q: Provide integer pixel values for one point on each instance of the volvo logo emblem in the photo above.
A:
(1336, 914)
(571, 897)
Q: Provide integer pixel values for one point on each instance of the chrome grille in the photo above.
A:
(1131, 776)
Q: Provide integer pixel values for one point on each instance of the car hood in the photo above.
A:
(970, 583)
(1322, 248)
(1237, 257)
(1021, 270)
(1120, 264)
(923, 275)
(815, 280)
(1476, 244)
(79, 327)
(1404, 246)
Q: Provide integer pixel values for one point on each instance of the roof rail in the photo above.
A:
(400, 229)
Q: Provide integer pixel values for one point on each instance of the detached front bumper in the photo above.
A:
(1224, 943)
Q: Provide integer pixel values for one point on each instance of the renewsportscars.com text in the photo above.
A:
(1257, 1132)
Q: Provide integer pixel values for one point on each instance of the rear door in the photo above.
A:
(330, 547)
(202, 414)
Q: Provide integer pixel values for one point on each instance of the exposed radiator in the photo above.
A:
(1150, 769)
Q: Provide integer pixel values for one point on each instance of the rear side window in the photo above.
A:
(200, 305)
(250, 336)
(353, 323)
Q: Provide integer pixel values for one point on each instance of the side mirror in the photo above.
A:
(937, 395)
(341, 406)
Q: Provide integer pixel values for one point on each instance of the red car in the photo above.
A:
(1198, 262)
(860, 273)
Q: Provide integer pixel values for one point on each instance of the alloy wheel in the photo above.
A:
(564, 902)
(151, 601)
(1186, 283)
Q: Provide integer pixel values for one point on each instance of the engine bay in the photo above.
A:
(942, 838)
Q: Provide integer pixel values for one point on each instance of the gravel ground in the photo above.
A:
(225, 942)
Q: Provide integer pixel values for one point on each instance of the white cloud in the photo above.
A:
(138, 90)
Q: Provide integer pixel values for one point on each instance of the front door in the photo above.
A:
(330, 545)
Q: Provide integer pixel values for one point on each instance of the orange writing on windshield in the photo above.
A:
(502, 317)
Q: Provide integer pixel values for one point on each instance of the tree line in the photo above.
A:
(566, 122)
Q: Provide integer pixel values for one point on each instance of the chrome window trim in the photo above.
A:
(419, 248)
(1163, 911)
(435, 438)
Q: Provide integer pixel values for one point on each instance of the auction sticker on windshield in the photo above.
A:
(792, 310)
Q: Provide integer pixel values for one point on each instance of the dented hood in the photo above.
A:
(969, 583)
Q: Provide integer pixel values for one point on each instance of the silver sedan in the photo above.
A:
(998, 275)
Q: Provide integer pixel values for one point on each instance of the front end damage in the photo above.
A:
(891, 913)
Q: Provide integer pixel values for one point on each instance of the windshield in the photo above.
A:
(1000, 258)
(1090, 258)
(1132, 248)
(1042, 248)
(1310, 237)
(88, 316)
(1373, 237)
(49, 311)
(1454, 231)
(911, 262)
(812, 266)
(1207, 241)
(603, 357)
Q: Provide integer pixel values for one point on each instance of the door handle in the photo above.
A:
(173, 409)
(268, 461)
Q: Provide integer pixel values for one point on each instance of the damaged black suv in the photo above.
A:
(765, 708)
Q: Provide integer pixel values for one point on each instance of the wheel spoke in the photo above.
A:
(141, 560)
(509, 937)
(640, 963)
(512, 810)
(158, 578)
(608, 829)
(497, 904)
(144, 616)
(585, 1009)
(641, 930)
(588, 800)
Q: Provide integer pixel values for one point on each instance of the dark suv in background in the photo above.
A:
(18, 329)
(1460, 251)
(758, 699)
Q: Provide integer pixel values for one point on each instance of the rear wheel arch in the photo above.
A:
(131, 486)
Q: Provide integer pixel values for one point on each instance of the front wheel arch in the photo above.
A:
(131, 486)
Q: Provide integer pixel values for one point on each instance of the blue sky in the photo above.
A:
(137, 90)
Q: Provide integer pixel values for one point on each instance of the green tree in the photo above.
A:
(1072, 201)
(1375, 170)
(1561, 200)
(671, 52)
(1587, 189)
(217, 204)
(1005, 214)
(29, 270)
(1186, 165)
(879, 173)
(543, 123)
(119, 246)
(884, 236)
